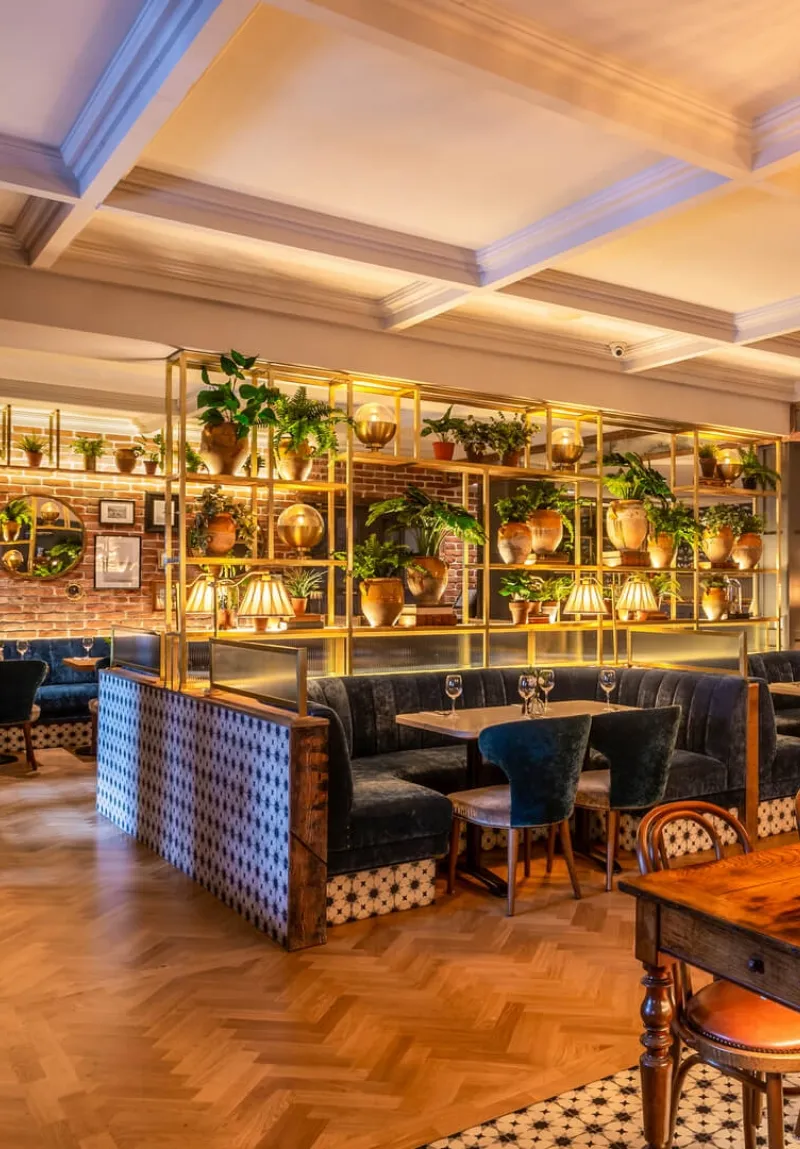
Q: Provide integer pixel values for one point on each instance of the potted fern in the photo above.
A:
(748, 545)
(302, 583)
(707, 458)
(514, 539)
(33, 447)
(90, 448)
(510, 437)
(228, 411)
(670, 525)
(304, 429)
(15, 515)
(444, 429)
(634, 483)
(756, 475)
(378, 567)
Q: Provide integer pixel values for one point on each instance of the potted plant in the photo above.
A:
(665, 586)
(33, 447)
(510, 437)
(721, 525)
(707, 458)
(519, 587)
(551, 514)
(514, 539)
(302, 583)
(378, 566)
(430, 520)
(474, 435)
(14, 516)
(715, 597)
(152, 452)
(228, 412)
(445, 430)
(626, 520)
(756, 475)
(126, 458)
(59, 559)
(748, 545)
(304, 429)
(221, 523)
(92, 449)
(670, 524)
(558, 590)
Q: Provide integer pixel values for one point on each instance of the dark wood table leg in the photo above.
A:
(472, 862)
(657, 1063)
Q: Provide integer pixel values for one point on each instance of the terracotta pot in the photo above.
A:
(429, 584)
(547, 531)
(715, 603)
(34, 458)
(221, 535)
(382, 600)
(474, 455)
(11, 531)
(125, 458)
(150, 466)
(294, 465)
(661, 550)
(519, 610)
(299, 606)
(90, 462)
(511, 458)
(534, 609)
(221, 451)
(747, 551)
(443, 450)
(708, 467)
(717, 547)
(514, 542)
(627, 525)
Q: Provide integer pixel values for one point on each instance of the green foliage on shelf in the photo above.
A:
(32, 444)
(510, 434)
(523, 586)
(212, 502)
(751, 524)
(674, 519)
(714, 581)
(665, 585)
(430, 520)
(444, 428)
(300, 420)
(17, 511)
(635, 479)
(302, 582)
(88, 446)
(376, 559)
(473, 434)
(714, 518)
(155, 451)
(559, 587)
(707, 451)
(58, 559)
(245, 405)
(515, 508)
(756, 473)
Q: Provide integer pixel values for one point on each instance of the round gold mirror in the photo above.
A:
(40, 537)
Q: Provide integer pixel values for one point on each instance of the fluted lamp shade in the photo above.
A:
(585, 598)
(267, 601)
(201, 595)
(637, 595)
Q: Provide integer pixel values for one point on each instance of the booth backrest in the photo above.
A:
(778, 666)
(53, 651)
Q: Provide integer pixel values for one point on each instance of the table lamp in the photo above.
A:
(585, 598)
(637, 596)
(267, 601)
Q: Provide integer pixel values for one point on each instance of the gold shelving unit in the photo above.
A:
(674, 448)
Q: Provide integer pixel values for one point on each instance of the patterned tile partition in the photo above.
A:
(211, 788)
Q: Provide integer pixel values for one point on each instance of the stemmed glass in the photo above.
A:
(547, 680)
(22, 647)
(608, 680)
(453, 687)
(527, 689)
(87, 643)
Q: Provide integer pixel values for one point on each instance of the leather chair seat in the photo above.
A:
(594, 789)
(738, 1018)
(485, 806)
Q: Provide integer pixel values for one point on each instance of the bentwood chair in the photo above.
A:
(19, 681)
(542, 760)
(745, 1036)
(638, 746)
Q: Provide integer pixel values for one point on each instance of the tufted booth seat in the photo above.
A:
(386, 782)
(65, 694)
(780, 666)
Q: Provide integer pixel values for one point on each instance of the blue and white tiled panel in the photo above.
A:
(371, 893)
(774, 817)
(205, 787)
(70, 735)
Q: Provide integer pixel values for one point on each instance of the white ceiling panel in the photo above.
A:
(296, 112)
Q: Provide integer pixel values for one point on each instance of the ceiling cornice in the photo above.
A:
(776, 137)
(665, 350)
(767, 322)
(35, 169)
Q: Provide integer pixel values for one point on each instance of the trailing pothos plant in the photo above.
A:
(212, 502)
(378, 559)
(430, 520)
(237, 401)
(635, 479)
(713, 519)
(674, 519)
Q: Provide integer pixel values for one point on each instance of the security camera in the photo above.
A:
(618, 350)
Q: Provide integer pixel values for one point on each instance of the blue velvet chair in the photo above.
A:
(638, 746)
(542, 760)
(19, 682)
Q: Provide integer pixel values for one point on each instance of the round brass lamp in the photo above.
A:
(567, 446)
(13, 560)
(729, 465)
(301, 527)
(375, 426)
(49, 512)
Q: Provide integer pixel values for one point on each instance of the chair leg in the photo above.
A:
(569, 857)
(527, 841)
(748, 1117)
(551, 846)
(775, 1138)
(612, 845)
(94, 736)
(31, 757)
(455, 834)
(513, 846)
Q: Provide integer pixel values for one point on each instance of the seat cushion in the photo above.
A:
(783, 778)
(594, 789)
(739, 1018)
(486, 806)
(788, 721)
(695, 776)
(66, 701)
(442, 768)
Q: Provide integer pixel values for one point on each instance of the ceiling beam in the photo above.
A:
(36, 170)
(169, 46)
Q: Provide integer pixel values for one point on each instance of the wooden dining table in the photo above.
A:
(787, 688)
(739, 919)
(466, 725)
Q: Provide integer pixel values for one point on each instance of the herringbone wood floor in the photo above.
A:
(136, 1012)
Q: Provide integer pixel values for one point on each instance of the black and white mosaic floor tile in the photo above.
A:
(607, 1114)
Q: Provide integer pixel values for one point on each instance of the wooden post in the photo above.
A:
(308, 834)
(751, 786)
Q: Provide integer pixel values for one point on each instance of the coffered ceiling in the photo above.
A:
(577, 174)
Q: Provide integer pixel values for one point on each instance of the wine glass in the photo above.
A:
(547, 680)
(22, 647)
(608, 680)
(87, 643)
(453, 687)
(527, 688)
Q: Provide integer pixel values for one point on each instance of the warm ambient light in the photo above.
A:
(567, 446)
(637, 595)
(585, 598)
(729, 465)
(49, 512)
(374, 425)
(267, 601)
(201, 595)
(300, 527)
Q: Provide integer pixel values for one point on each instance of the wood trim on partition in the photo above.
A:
(308, 835)
(751, 789)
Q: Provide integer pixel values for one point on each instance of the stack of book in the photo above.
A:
(438, 615)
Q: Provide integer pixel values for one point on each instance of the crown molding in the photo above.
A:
(776, 137)
(767, 322)
(665, 350)
(486, 40)
(417, 302)
(35, 169)
(729, 379)
(11, 253)
(64, 395)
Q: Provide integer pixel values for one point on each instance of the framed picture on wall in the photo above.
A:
(154, 511)
(117, 562)
(116, 512)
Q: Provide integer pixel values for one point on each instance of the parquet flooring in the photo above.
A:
(136, 1012)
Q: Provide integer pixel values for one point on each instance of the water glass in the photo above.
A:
(22, 647)
(547, 680)
(527, 688)
(608, 680)
(453, 688)
(87, 643)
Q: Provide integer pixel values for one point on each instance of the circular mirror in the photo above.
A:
(40, 537)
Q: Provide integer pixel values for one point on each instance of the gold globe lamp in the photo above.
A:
(729, 465)
(13, 560)
(49, 512)
(375, 426)
(300, 527)
(566, 447)
(267, 602)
